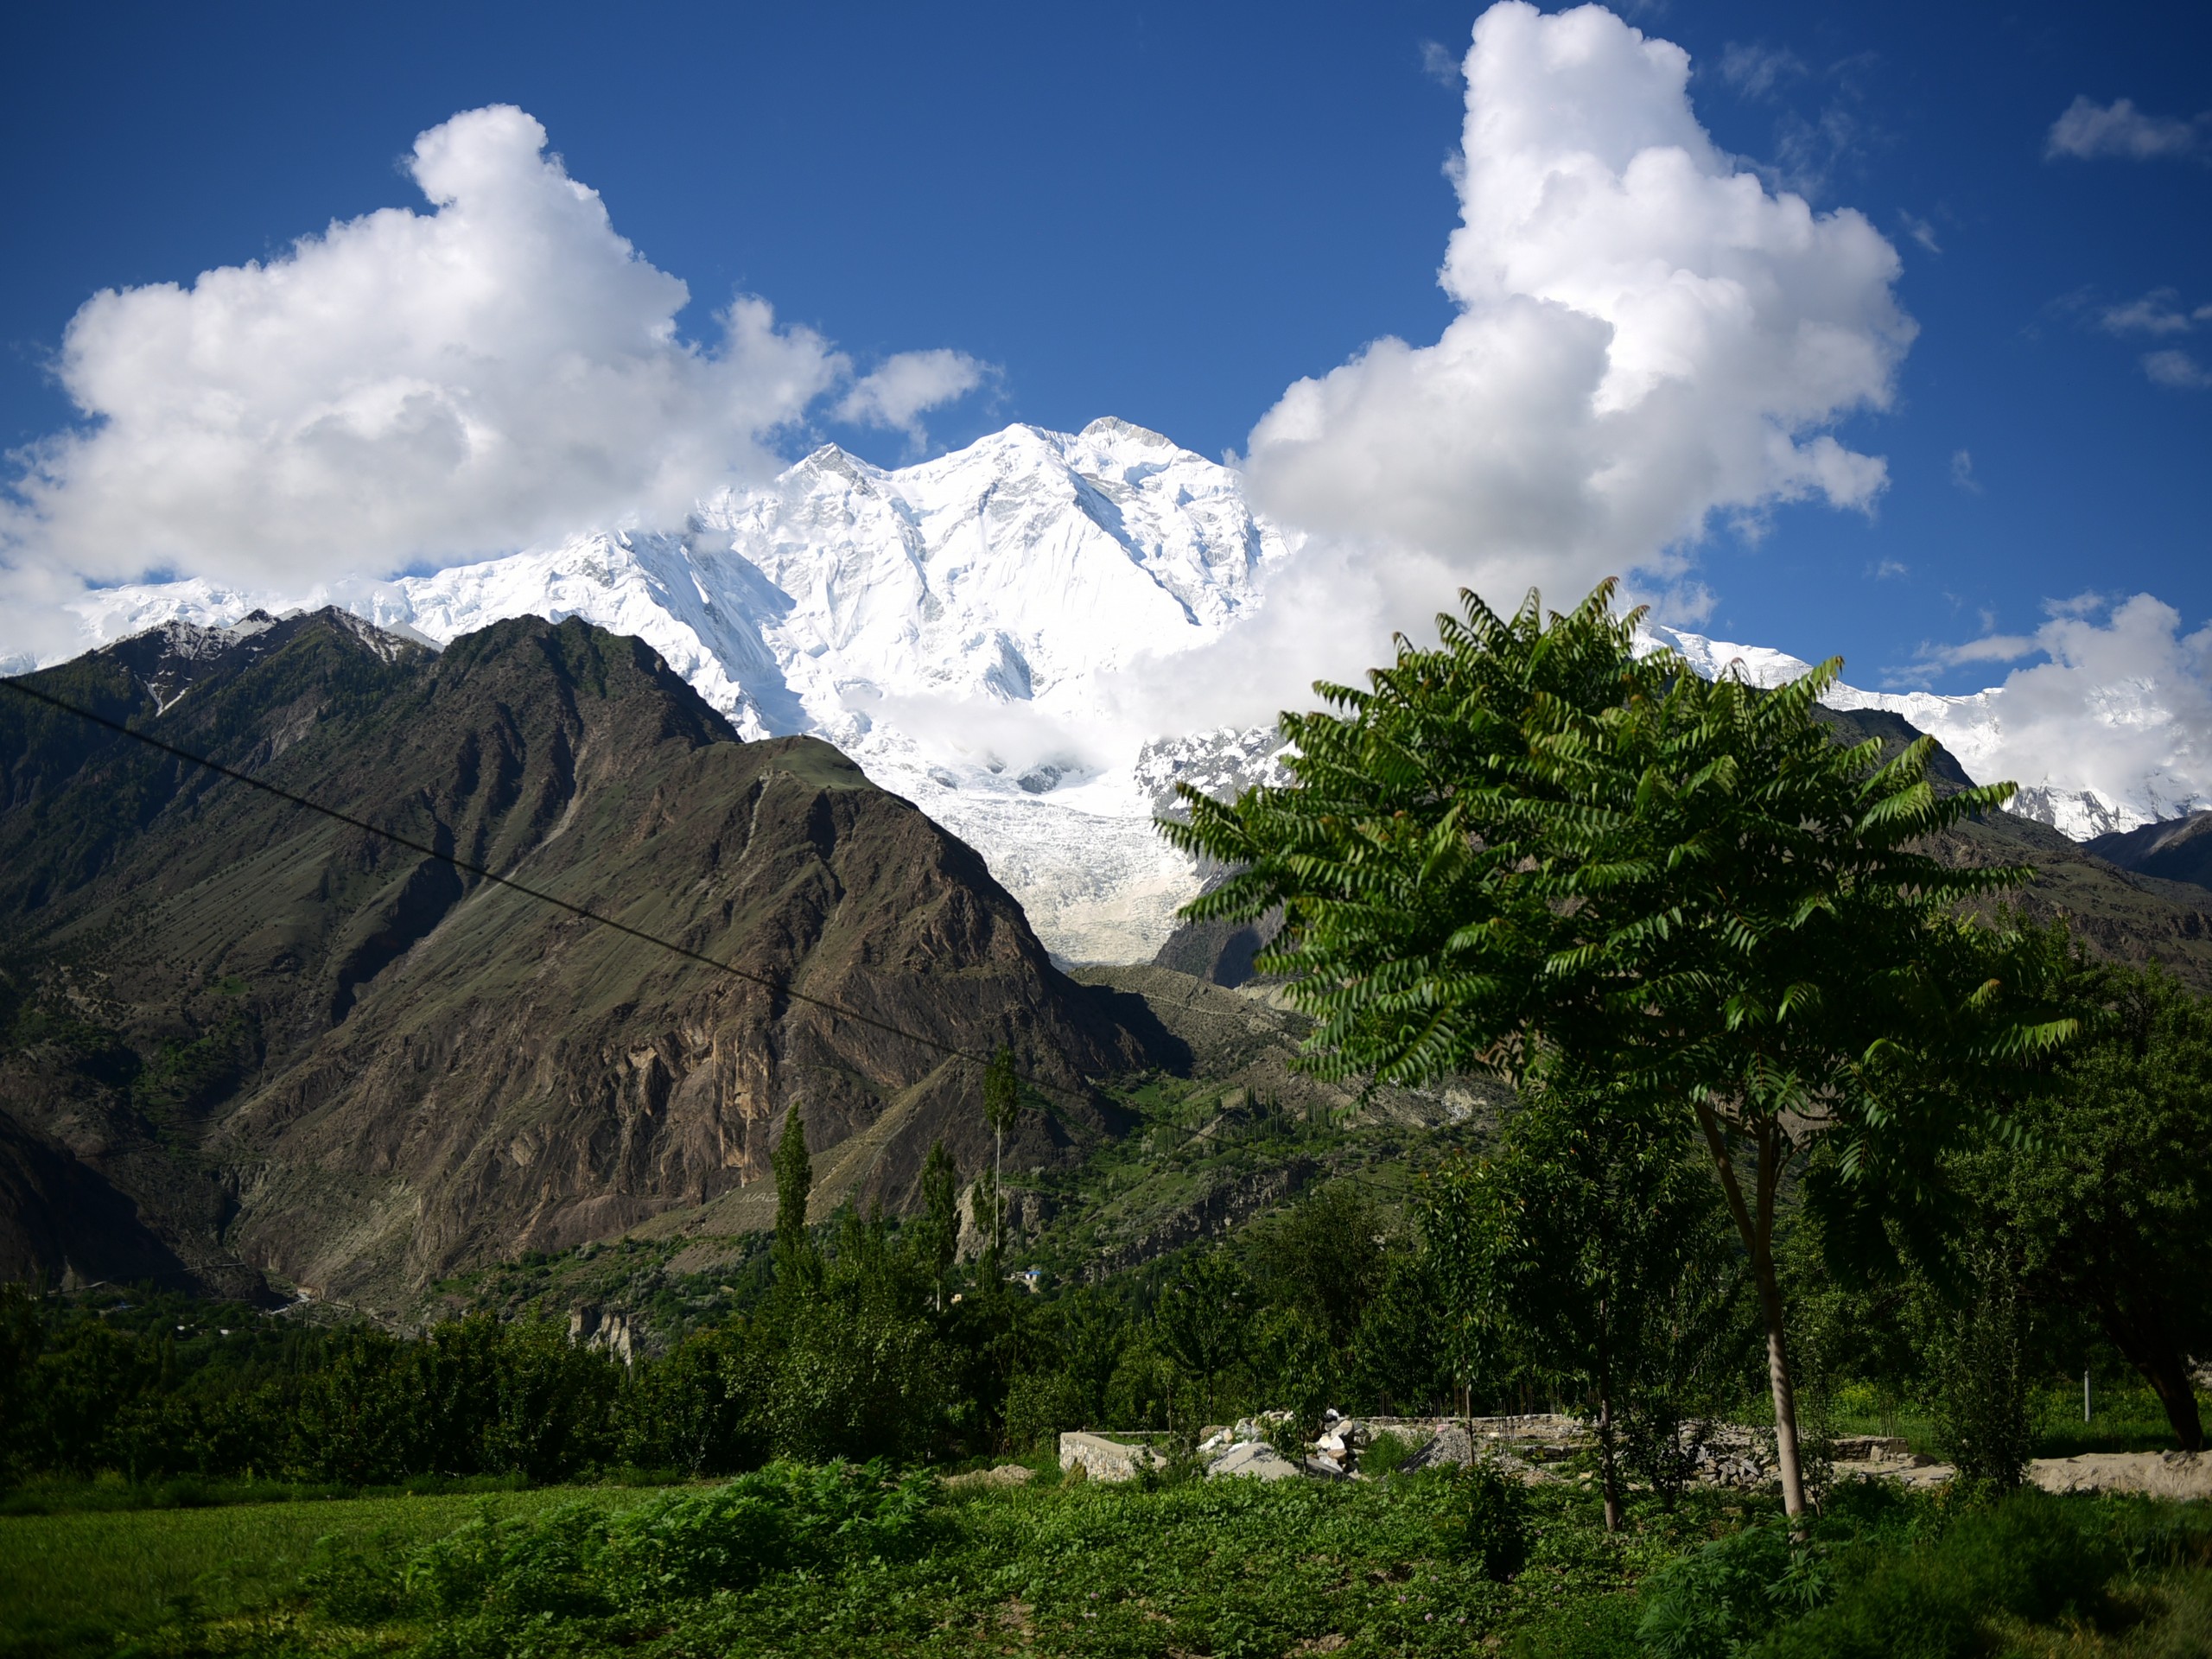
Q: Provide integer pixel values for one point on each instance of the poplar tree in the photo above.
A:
(938, 1236)
(1002, 1109)
(1531, 844)
(794, 1255)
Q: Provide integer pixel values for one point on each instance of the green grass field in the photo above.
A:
(72, 1582)
(849, 1566)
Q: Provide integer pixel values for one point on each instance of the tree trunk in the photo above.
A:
(1608, 1465)
(2169, 1377)
(1757, 1231)
(2166, 1371)
(1777, 1376)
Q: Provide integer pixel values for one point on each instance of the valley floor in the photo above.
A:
(1400, 1566)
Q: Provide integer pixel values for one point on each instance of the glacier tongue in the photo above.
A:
(954, 625)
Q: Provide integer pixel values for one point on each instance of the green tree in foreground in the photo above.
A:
(1532, 843)
(938, 1232)
(1200, 1324)
(2109, 1189)
(1612, 1264)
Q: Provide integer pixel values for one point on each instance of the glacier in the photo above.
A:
(957, 627)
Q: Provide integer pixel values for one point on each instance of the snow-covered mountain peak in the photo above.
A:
(954, 625)
(1711, 658)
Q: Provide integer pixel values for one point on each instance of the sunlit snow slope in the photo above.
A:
(952, 624)
(946, 624)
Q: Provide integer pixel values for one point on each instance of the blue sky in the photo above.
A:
(1172, 215)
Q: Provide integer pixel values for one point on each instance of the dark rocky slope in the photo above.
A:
(2179, 849)
(293, 1047)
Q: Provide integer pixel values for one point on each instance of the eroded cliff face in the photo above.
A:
(356, 1068)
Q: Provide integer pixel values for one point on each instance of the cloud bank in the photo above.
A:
(908, 385)
(409, 388)
(1648, 340)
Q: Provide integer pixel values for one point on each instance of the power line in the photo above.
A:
(542, 897)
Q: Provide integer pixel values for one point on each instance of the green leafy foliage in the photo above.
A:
(1533, 836)
(1531, 844)
(1709, 1603)
(1486, 1520)
(2032, 1558)
(1982, 1378)
(2107, 1187)
(794, 1173)
(938, 1237)
(1590, 1251)
(845, 1559)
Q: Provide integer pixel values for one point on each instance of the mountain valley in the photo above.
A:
(248, 1046)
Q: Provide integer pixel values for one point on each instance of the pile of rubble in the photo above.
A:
(1269, 1447)
(1246, 1448)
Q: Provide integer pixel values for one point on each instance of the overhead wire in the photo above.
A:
(778, 988)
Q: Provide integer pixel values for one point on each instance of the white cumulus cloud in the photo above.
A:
(1647, 339)
(903, 389)
(414, 387)
(2121, 705)
(2088, 131)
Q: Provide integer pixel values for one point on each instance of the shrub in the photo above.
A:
(577, 1563)
(1487, 1519)
(1038, 1405)
(1707, 1604)
(1982, 1414)
(351, 1585)
(861, 1383)
(1386, 1453)
(1603, 1628)
(2032, 1556)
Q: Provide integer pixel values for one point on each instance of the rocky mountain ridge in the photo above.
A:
(2178, 850)
(244, 1040)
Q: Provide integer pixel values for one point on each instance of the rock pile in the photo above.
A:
(1723, 1454)
(1252, 1460)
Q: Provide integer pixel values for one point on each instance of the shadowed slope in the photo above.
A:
(394, 1068)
